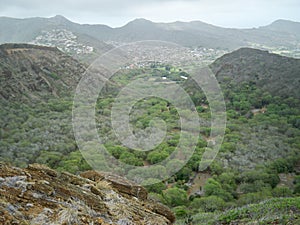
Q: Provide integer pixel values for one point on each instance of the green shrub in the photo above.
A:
(208, 204)
(282, 192)
(175, 197)
(180, 212)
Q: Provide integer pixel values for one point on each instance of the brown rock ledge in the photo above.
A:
(40, 195)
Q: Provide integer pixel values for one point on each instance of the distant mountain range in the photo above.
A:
(190, 34)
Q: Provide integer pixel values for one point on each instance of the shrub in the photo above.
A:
(155, 186)
(282, 192)
(175, 197)
(208, 204)
(180, 212)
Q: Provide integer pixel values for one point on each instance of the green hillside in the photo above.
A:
(259, 159)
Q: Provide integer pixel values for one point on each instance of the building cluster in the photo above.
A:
(63, 39)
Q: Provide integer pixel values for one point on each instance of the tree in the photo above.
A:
(175, 197)
(130, 158)
(154, 185)
(74, 163)
(254, 175)
(216, 168)
(157, 156)
(49, 158)
(184, 174)
(213, 187)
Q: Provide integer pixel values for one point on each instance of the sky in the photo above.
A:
(116, 13)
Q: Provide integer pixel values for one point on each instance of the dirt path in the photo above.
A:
(198, 182)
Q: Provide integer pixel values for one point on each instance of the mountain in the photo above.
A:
(39, 195)
(47, 31)
(276, 74)
(186, 34)
(287, 26)
(261, 92)
(26, 30)
(36, 73)
(189, 34)
(37, 84)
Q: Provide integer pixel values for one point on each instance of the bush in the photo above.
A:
(256, 186)
(260, 175)
(208, 204)
(297, 185)
(216, 168)
(282, 166)
(156, 185)
(180, 212)
(251, 198)
(184, 174)
(282, 192)
(213, 187)
(175, 197)
(157, 156)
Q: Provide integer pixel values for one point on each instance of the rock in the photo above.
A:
(63, 198)
(122, 185)
(162, 210)
(43, 169)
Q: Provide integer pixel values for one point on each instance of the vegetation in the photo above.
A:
(273, 211)
(261, 144)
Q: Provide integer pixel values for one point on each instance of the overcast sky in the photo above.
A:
(227, 13)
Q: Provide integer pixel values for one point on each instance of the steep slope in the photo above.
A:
(39, 195)
(276, 74)
(35, 73)
(262, 88)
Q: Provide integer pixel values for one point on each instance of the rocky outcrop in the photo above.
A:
(40, 195)
(124, 186)
(128, 188)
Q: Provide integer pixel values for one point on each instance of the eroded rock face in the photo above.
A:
(124, 186)
(39, 195)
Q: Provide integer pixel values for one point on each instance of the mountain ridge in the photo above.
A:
(194, 33)
(276, 74)
(59, 17)
(36, 72)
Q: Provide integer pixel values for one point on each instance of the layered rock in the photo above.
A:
(40, 195)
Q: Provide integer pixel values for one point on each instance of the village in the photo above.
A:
(64, 40)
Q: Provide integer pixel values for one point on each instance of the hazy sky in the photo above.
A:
(227, 13)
